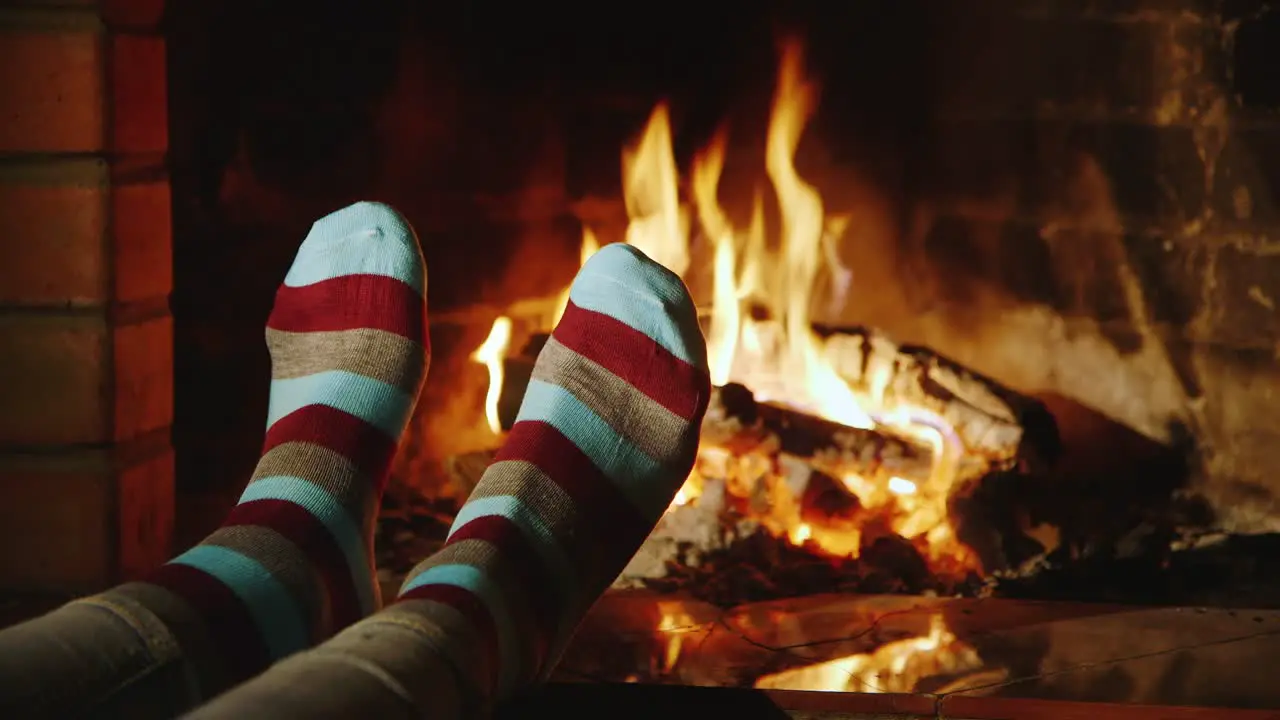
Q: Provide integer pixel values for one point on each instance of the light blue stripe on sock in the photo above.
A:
(620, 282)
(535, 530)
(377, 403)
(274, 610)
(482, 586)
(326, 508)
(634, 473)
(362, 239)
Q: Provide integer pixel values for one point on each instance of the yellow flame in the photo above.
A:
(588, 248)
(802, 223)
(780, 357)
(722, 334)
(490, 354)
(659, 225)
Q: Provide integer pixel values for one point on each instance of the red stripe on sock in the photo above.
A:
(604, 511)
(635, 358)
(368, 448)
(349, 302)
(473, 609)
(240, 646)
(531, 572)
(305, 530)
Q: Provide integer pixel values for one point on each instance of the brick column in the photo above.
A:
(86, 369)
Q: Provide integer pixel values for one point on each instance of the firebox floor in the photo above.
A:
(998, 649)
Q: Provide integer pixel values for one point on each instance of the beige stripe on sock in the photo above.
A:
(552, 505)
(535, 489)
(373, 353)
(653, 429)
(325, 469)
(286, 563)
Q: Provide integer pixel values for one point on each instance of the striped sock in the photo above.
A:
(605, 437)
(292, 563)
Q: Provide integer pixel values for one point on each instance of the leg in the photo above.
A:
(606, 435)
(292, 563)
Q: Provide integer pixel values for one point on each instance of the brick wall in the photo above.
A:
(86, 471)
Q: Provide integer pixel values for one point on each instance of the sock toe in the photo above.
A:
(332, 249)
(623, 283)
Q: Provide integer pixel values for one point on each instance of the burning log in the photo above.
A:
(771, 473)
(999, 425)
(992, 421)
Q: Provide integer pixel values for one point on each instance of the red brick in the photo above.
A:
(84, 520)
(55, 213)
(52, 97)
(67, 254)
(136, 14)
(55, 519)
(56, 380)
(67, 85)
(142, 240)
(139, 120)
(143, 383)
(145, 502)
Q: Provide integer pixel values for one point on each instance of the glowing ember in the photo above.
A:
(896, 667)
(490, 354)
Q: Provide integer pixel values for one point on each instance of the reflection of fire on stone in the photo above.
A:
(895, 667)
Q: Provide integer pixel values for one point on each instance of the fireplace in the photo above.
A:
(1022, 343)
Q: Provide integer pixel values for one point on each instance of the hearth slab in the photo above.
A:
(623, 702)
(1188, 657)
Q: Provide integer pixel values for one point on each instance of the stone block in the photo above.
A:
(1246, 179)
(1255, 77)
(1243, 298)
(1239, 425)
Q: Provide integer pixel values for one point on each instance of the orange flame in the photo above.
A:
(490, 354)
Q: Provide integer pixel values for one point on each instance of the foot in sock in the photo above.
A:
(606, 435)
(292, 563)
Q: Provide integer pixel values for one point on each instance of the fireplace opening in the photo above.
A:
(988, 289)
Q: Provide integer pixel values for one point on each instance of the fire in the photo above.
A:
(659, 224)
(490, 354)
(775, 353)
(588, 248)
(895, 667)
